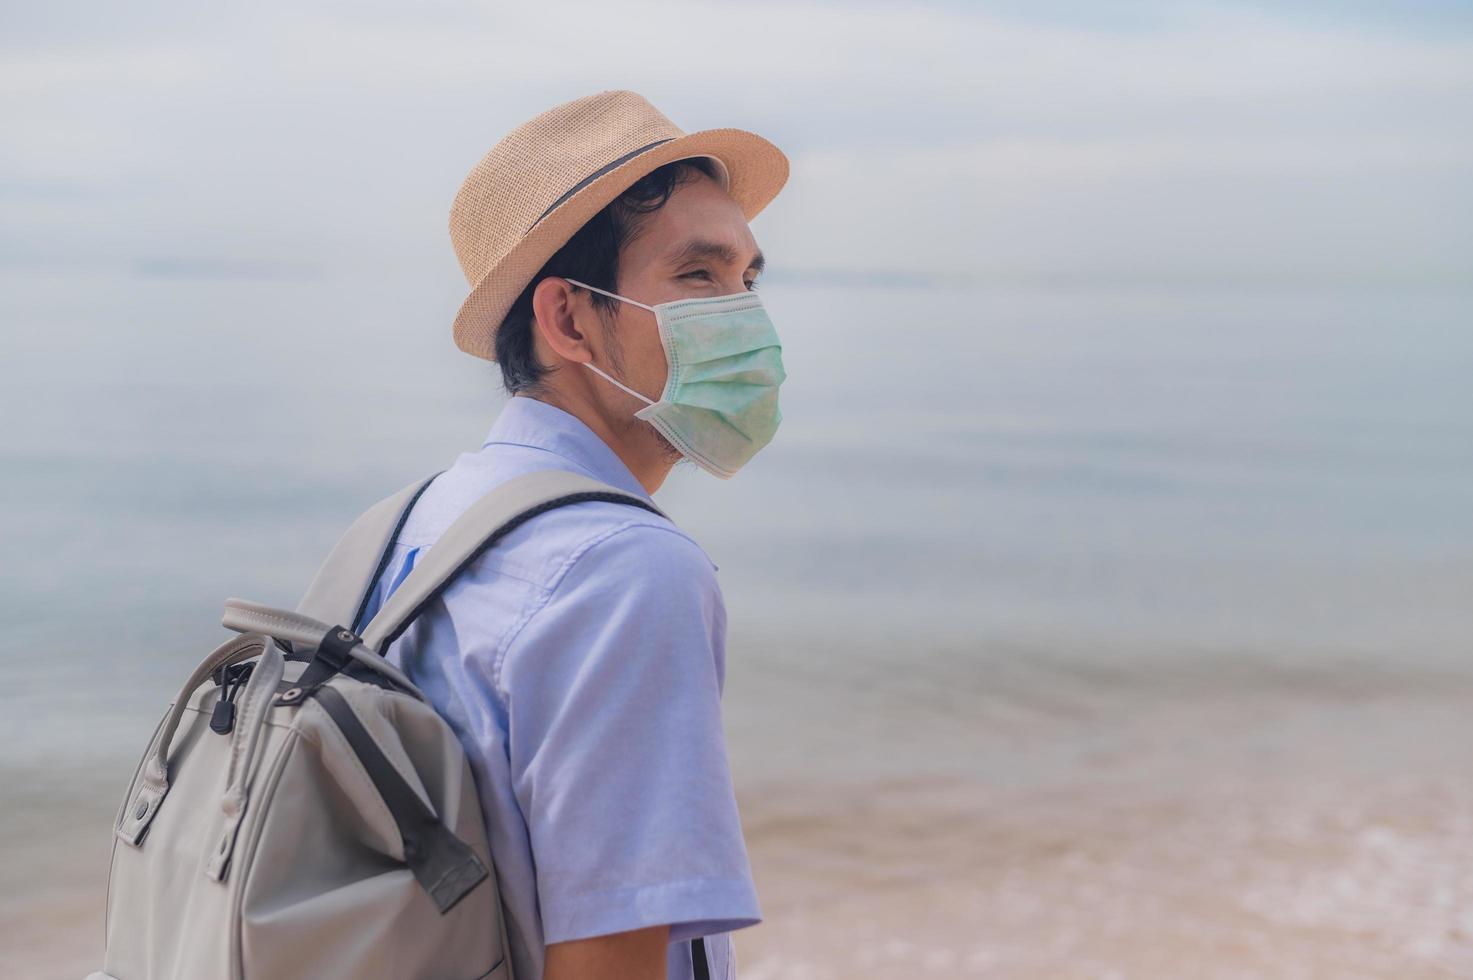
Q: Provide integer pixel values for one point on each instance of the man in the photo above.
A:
(581, 660)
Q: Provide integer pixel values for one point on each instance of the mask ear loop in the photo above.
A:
(589, 365)
(622, 299)
(612, 381)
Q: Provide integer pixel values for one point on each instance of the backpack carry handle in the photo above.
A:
(304, 632)
(153, 784)
(255, 704)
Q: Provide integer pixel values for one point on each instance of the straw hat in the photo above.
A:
(547, 177)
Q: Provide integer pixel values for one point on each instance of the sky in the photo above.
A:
(1037, 142)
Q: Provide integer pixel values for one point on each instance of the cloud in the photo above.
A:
(1037, 140)
(186, 267)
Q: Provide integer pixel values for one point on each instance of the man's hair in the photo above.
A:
(592, 256)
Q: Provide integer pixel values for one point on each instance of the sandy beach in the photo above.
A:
(1239, 882)
(923, 879)
(1216, 818)
(1345, 858)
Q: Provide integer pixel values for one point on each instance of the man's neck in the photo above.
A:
(641, 456)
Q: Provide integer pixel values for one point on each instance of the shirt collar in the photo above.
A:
(525, 421)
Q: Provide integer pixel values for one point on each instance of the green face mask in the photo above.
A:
(719, 406)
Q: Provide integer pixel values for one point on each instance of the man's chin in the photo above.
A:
(668, 452)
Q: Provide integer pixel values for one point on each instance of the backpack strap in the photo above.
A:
(698, 961)
(487, 521)
(340, 591)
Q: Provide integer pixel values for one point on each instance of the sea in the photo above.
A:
(1077, 629)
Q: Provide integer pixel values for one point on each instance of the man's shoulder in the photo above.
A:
(543, 549)
(633, 544)
(617, 541)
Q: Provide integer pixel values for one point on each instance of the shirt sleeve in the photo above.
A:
(616, 744)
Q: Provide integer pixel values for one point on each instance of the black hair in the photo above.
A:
(592, 256)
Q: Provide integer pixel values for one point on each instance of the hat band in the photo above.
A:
(595, 176)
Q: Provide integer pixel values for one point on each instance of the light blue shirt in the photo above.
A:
(581, 662)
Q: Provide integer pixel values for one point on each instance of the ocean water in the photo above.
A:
(1057, 551)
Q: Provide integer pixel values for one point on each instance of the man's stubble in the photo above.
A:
(668, 452)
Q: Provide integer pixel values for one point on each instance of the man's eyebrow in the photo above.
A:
(700, 248)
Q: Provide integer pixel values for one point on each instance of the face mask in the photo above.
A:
(719, 406)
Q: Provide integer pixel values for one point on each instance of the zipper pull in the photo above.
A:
(222, 719)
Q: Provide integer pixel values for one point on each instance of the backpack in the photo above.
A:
(301, 809)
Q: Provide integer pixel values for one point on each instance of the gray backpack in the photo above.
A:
(302, 810)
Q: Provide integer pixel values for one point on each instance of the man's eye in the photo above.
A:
(706, 274)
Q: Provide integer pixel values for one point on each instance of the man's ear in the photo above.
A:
(553, 306)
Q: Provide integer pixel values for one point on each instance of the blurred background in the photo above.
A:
(1102, 609)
